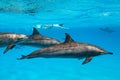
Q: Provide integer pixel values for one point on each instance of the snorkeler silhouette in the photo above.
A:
(50, 26)
(107, 29)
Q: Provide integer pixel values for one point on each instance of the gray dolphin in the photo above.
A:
(107, 29)
(39, 40)
(10, 40)
(68, 49)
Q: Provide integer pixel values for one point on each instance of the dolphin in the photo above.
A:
(39, 40)
(68, 49)
(107, 29)
(10, 40)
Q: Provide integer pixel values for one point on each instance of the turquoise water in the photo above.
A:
(82, 17)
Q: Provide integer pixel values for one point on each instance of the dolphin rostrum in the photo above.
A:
(10, 40)
(38, 40)
(68, 49)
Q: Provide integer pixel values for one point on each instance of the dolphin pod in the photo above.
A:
(68, 49)
(36, 39)
(52, 48)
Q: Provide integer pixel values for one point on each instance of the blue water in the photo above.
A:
(83, 18)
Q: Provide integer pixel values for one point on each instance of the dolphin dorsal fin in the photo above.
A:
(68, 38)
(35, 32)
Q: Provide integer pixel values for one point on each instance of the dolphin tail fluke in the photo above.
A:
(10, 46)
(23, 57)
(88, 59)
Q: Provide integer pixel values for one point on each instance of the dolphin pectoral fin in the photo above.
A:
(88, 59)
(10, 46)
